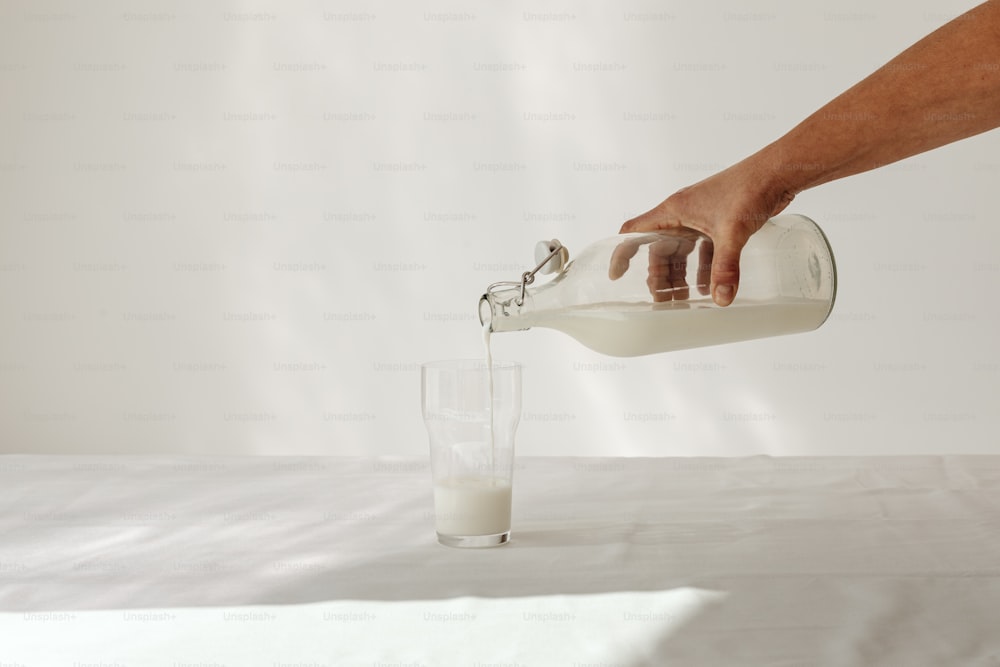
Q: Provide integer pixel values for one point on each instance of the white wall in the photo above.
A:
(241, 227)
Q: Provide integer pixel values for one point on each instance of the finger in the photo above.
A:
(667, 270)
(704, 277)
(678, 270)
(620, 258)
(725, 272)
(667, 289)
(659, 278)
(663, 290)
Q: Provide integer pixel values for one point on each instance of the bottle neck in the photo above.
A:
(499, 311)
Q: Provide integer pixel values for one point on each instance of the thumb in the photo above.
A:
(725, 271)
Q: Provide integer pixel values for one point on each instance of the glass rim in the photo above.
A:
(469, 364)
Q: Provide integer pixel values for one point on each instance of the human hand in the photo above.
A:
(668, 263)
(728, 208)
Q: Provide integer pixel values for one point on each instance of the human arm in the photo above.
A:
(944, 88)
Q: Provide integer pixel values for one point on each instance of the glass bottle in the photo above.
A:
(643, 293)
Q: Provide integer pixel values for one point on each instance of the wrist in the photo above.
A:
(775, 180)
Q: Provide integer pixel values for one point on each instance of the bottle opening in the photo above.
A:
(486, 312)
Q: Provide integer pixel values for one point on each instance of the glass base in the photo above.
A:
(474, 541)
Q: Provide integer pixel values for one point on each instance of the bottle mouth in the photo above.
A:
(486, 312)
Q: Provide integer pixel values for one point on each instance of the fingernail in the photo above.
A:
(724, 293)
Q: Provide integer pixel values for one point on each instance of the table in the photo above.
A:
(184, 562)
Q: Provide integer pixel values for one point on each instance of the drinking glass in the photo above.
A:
(471, 411)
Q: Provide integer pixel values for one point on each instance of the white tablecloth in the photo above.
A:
(329, 561)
